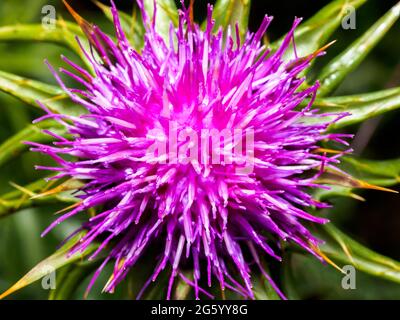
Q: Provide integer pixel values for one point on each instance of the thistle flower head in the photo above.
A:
(197, 145)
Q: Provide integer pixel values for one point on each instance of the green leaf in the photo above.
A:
(70, 277)
(14, 146)
(31, 188)
(131, 25)
(165, 14)
(335, 191)
(37, 194)
(29, 91)
(229, 12)
(63, 34)
(379, 168)
(335, 72)
(314, 33)
(342, 101)
(8, 207)
(339, 178)
(359, 107)
(57, 260)
(361, 173)
(341, 248)
(9, 14)
(313, 280)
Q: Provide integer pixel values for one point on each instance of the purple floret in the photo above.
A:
(217, 216)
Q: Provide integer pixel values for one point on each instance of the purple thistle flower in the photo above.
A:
(152, 186)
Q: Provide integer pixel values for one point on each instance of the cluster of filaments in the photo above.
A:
(212, 218)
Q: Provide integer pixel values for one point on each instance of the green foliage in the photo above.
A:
(31, 91)
(360, 107)
(14, 146)
(57, 260)
(335, 72)
(342, 248)
(64, 34)
(314, 33)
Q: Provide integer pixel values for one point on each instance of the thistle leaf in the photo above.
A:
(30, 91)
(63, 34)
(359, 107)
(166, 12)
(338, 178)
(336, 191)
(335, 72)
(315, 32)
(57, 260)
(70, 278)
(362, 173)
(341, 101)
(363, 111)
(36, 194)
(341, 248)
(14, 146)
(229, 12)
(389, 169)
(31, 188)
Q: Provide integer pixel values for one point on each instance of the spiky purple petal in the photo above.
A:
(219, 218)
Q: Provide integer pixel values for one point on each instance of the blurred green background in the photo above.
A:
(375, 223)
